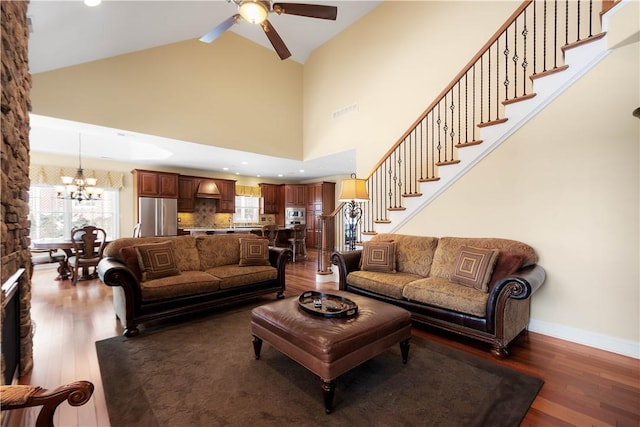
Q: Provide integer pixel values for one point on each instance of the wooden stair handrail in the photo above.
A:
(455, 80)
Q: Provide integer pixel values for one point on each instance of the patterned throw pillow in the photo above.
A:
(157, 260)
(474, 266)
(254, 252)
(378, 256)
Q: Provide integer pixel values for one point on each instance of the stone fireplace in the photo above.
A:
(14, 178)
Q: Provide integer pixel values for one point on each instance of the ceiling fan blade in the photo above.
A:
(308, 10)
(276, 41)
(221, 28)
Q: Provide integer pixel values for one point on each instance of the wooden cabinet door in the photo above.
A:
(168, 185)
(270, 199)
(295, 195)
(156, 184)
(147, 183)
(227, 202)
(186, 193)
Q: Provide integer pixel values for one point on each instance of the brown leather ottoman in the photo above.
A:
(329, 347)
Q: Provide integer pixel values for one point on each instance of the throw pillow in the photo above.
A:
(157, 260)
(129, 257)
(254, 252)
(507, 264)
(378, 256)
(474, 266)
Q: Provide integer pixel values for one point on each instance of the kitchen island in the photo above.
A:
(200, 231)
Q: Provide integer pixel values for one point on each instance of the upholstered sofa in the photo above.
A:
(476, 287)
(159, 277)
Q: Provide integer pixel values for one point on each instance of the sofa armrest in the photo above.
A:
(520, 285)
(346, 262)
(278, 258)
(114, 272)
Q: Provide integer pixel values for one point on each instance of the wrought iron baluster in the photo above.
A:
(452, 133)
(578, 23)
(506, 65)
(515, 60)
(566, 22)
(497, 78)
(590, 18)
(421, 149)
(544, 41)
(439, 135)
(524, 59)
(555, 33)
(535, 45)
(459, 121)
(473, 102)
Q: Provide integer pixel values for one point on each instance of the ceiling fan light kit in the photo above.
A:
(256, 12)
(253, 11)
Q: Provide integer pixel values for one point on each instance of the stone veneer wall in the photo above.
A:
(14, 178)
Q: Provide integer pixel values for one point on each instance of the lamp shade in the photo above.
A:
(354, 189)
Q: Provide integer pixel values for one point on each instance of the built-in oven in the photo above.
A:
(294, 216)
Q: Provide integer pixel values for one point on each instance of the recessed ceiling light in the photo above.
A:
(92, 3)
(245, 163)
(280, 174)
(301, 170)
(258, 176)
(225, 169)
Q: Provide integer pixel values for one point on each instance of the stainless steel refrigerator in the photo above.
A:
(158, 217)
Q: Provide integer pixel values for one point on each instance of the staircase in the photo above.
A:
(541, 50)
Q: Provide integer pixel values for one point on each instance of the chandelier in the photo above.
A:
(78, 187)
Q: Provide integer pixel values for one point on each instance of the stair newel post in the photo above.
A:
(324, 264)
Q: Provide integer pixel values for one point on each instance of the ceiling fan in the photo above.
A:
(256, 11)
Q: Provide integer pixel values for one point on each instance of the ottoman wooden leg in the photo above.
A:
(404, 349)
(257, 346)
(328, 390)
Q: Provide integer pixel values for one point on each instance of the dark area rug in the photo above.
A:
(203, 373)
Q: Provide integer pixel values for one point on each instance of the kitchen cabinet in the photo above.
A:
(155, 184)
(227, 202)
(295, 195)
(271, 201)
(187, 186)
(320, 200)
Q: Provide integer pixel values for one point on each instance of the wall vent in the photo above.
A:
(349, 109)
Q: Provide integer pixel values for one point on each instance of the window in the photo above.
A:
(247, 210)
(52, 217)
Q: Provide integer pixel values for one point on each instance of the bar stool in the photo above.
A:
(271, 233)
(298, 241)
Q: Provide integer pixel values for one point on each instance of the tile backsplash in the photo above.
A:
(205, 216)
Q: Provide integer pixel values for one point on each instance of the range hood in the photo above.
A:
(207, 189)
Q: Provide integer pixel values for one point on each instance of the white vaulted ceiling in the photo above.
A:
(66, 33)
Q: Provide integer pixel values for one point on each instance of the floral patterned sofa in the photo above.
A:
(476, 287)
(159, 277)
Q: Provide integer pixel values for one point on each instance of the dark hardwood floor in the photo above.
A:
(583, 386)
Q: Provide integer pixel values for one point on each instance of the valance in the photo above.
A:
(46, 174)
(245, 190)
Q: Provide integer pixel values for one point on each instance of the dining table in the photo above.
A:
(66, 246)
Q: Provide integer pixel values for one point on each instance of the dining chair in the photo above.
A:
(298, 241)
(87, 244)
(25, 396)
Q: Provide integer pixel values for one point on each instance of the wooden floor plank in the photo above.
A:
(583, 386)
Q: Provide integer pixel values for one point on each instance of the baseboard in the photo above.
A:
(591, 339)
